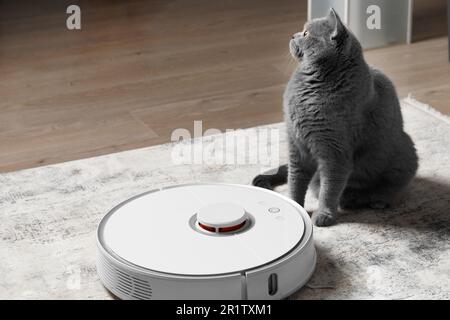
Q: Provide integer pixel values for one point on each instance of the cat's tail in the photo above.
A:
(272, 178)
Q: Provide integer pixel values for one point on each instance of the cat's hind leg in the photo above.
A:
(366, 198)
(385, 193)
(353, 198)
(380, 196)
(395, 178)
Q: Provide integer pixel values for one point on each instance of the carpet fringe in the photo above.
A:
(426, 108)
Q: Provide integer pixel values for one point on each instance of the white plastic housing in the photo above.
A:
(152, 247)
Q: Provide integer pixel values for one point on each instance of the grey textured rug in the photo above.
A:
(49, 216)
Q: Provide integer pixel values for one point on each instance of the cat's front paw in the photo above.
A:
(323, 219)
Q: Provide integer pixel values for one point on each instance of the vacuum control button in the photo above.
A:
(274, 210)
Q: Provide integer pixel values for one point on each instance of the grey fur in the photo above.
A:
(344, 124)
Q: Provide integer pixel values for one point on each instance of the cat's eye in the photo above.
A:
(305, 33)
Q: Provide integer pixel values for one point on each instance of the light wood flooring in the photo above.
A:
(139, 69)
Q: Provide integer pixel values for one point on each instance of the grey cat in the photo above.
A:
(344, 125)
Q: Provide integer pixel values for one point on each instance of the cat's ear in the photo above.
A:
(337, 25)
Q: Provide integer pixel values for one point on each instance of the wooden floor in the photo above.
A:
(140, 69)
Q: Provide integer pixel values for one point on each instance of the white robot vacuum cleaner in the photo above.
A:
(206, 241)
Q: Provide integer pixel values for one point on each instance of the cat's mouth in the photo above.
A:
(295, 50)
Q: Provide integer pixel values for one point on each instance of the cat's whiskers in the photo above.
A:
(288, 64)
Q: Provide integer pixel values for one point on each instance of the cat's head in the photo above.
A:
(323, 39)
